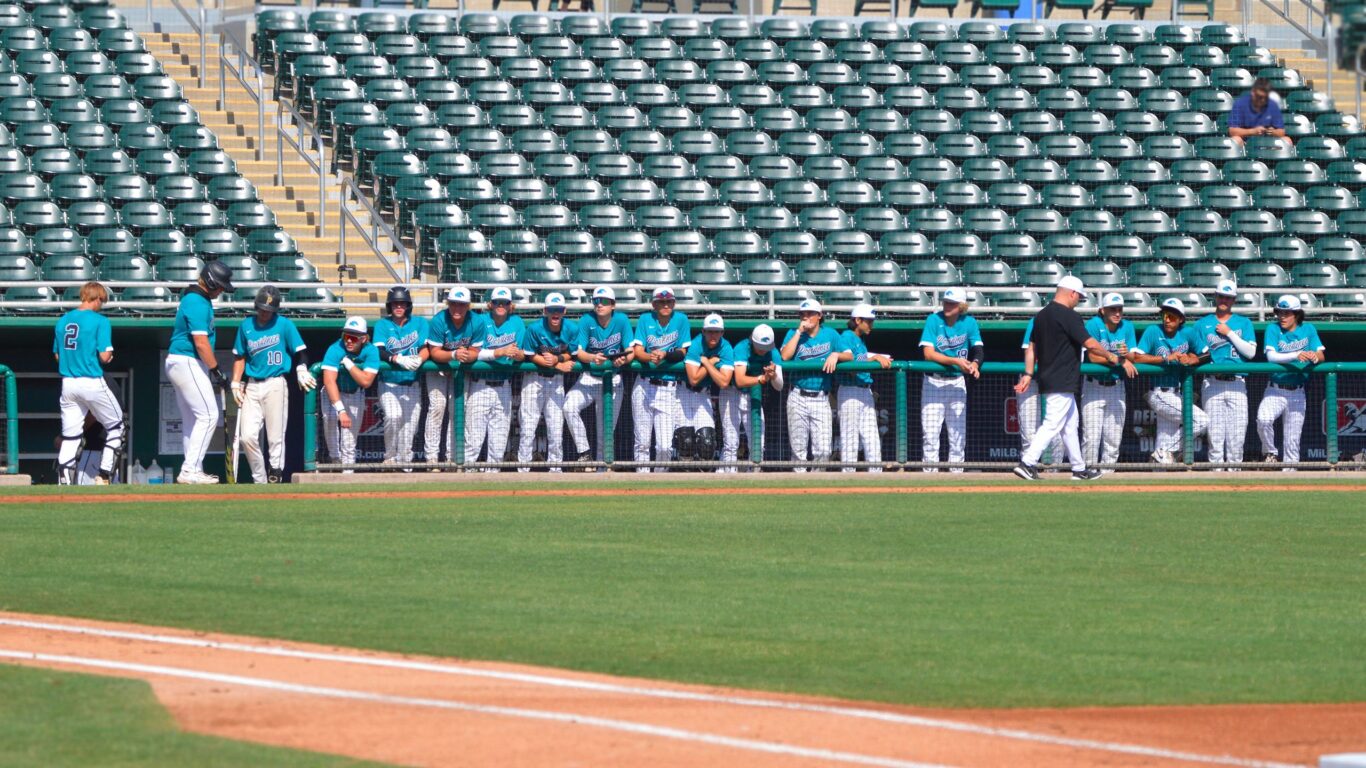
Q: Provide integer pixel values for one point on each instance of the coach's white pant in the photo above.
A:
(341, 443)
(438, 424)
(1166, 405)
(809, 421)
(735, 423)
(1225, 402)
(1029, 415)
(198, 407)
(79, 397)
(655, 409)
(944, 404)
(1060, 418)
(541, 395)
(266, 404)
(858, 426)
(588, 392)
(488, 416)
(1102, 417)
(402, 407)
(1277, 403)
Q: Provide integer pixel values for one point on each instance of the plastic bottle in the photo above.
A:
(154, 473)
(139, 474)
(168, 476)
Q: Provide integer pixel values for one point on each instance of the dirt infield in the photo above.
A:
(427, 711)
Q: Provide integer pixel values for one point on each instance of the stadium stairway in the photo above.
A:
(295, 203)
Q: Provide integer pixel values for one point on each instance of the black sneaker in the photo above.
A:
(273, 477)
(1026, 472)
(1087, 474)
(584, 458)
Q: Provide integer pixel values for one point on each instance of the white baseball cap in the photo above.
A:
(662, 292)
(811, 305)
(1112, 300)
(761, 338)
(604, 292)
(713, 322)
(1073, 283)
(863, 312)
(1226, 288)
(555, 299)
(458, 294)
(955, 295)
(356, 326)
(1175, 305)
(500, 294)
(1289, 302)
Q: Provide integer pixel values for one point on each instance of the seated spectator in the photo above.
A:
(1256, 114)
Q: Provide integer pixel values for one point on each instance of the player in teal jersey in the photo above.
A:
(265, 348)
(857, 409)
(402, 343)
(192, 368)
(1289, 340)
(488, 406)
(1103, 403)
(952, 338)
(1171, 343)
(83, 345)
(709, 366)
(349, 368)
(549, 344)
(809, 417)
(1230, 338)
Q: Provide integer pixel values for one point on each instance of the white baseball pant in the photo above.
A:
(402, 408)
(438, 424)
(1060, 419)
(79, 397)
(542, 395)
(944, 404)
(1225, 402)
(198, 407)
(735, 409)
(695, 407)
(341, 443)
(1102, 416)
(858, 425)
(588, 392)
(655, 410)
(488, 417)
(266, 404)
(87, 468)
(1029, 414)
(1166, 405)
(809, 421)
(1280, 403)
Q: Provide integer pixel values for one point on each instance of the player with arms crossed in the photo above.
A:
(710, 366)
(1288, 340)
(548, 343)
(1103, 406)
(1228, 338)
(265, 347)
(401, 340)
(488, 409)
(662, 339)
(757, 363)
(809, 419)
(950, 338)
(349, 368)
(192, 369)
(82, 345)
(858, 414)
(452, 336)
(605, 336)
(1170, 342)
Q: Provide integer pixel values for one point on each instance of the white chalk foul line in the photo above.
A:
(710, 739)
(453, 668)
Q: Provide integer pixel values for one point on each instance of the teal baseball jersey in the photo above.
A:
(723, 351)
(754, 363)
(539, 337)
(442, 331)
(653, 337)
(1157, 342)
(951, 340)
(1305, 338)
(407, 339)
(81, 335)
(1111, 340)
(1220, 350)
(854, 343)
(194, 317)
(367, 358)
(268, 350)
(826, 342)
(510, 334)
(610, 341)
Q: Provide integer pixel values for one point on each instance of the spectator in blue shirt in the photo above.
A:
(1255, 114)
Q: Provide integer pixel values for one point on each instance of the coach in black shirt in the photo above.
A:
(1058, 339)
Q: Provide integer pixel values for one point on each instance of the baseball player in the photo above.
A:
(950, 338)
(349, 368)
(82, 344)
(710, 366)
(1171, 343)
(808, 404)
(488, 406)
(662, 340)
(1229, 338)
(602, 337)
(757, 362)
(1103, 407)
(548, 343)
(265, 347)
(401, 340)
(1028, 413)
(858, 414)
(453, 335)
(192, 369)
(1288, 340)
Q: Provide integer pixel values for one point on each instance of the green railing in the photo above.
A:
(899, 391)
(11, 425)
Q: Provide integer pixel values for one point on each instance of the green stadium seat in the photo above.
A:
(1262, 275)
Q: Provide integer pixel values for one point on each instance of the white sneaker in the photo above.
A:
(1163, 457)
(190, 477)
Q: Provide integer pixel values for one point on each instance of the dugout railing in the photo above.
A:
(995, 422)
(9, 426)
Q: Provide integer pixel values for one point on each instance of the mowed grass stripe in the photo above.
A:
(963, 599)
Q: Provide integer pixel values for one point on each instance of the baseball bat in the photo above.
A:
(236, 446)
(228, 469)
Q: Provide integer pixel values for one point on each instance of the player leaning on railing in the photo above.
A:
(549, 344)
(1171, 342)
(1288, 340)
(1228, 338)
(1103, 402)
(809, 418)
(349, 368)
(757, 362)
(857, 411)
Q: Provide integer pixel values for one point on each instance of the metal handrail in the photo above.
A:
(226, 37)
(319, 166)
(378, 226)
(1314, 16)
(198, 27)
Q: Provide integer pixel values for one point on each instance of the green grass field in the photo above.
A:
(943, 599)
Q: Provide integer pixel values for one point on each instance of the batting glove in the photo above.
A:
(306, 381)
(217, 379)
(412, 362)
(239, 392)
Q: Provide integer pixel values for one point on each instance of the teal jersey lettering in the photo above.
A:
(269, 349)
(194, 317)
(610, 341)
(854, 343)
(1157, 342)
(407, 339)
(1220, 349)
(443, 333)
(81, 335)
(366, 358)
(1305, 338)
(1099, 331)
(825, 343)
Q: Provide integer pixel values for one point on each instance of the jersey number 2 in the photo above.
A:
(69, 338)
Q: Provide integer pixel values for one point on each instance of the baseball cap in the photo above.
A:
(604, 292)
(863, 312)
(1289, 302)
(356, 326)
(955, 295)
(1226, 288)
(458, 294)
(713, 322)
(500, 294)
(811, 305)
(555, 300)
(1073, 283)
(662, 293)
(761, 338)
(1112, 300)
(1175, 305)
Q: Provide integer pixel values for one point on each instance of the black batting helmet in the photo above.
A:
(217, 276)
(398, 295)
(268, 299)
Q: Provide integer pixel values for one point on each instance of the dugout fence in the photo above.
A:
(9, 426)
(910, 416)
